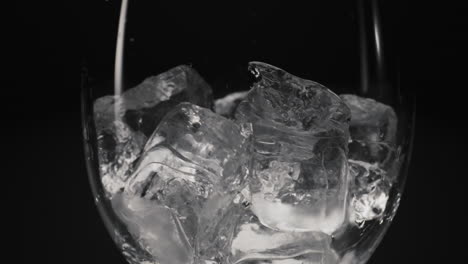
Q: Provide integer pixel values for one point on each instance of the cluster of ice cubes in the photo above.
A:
(269, 176)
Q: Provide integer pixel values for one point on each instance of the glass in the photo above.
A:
(346, 46)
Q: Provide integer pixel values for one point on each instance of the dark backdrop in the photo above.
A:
(59, 222)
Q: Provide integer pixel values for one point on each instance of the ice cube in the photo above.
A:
(372, 129)
(217, 233)
(124, 122)
(143, 106)
(193, 166)
(291, 102)
(156, 228)
(371, 121)
(118, 149)
(370, 191)
(373, 157)
(254, 243)
(227, 105)
(300, 166)
(239, 237)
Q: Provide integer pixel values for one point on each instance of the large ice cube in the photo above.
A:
(373, 158)
(300, 166)
(124, 122)
(191, 169)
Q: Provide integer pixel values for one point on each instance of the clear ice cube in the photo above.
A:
(142, 107)
(255, 243)
(156, 227)
(241, 238)
(373, 159)
(123, 123)
(370, 191)
(300, 141)
(373, 131)
(227, 105)
(371, 121)
(190, 170)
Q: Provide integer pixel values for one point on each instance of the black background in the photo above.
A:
(59, 222)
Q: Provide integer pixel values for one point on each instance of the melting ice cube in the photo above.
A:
(241, 238)
(372, 156)
(124, 122)
(227, 105)
(190, 170)
(255, 243)
(300, 166)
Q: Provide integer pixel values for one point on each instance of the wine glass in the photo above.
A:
(231, 133)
